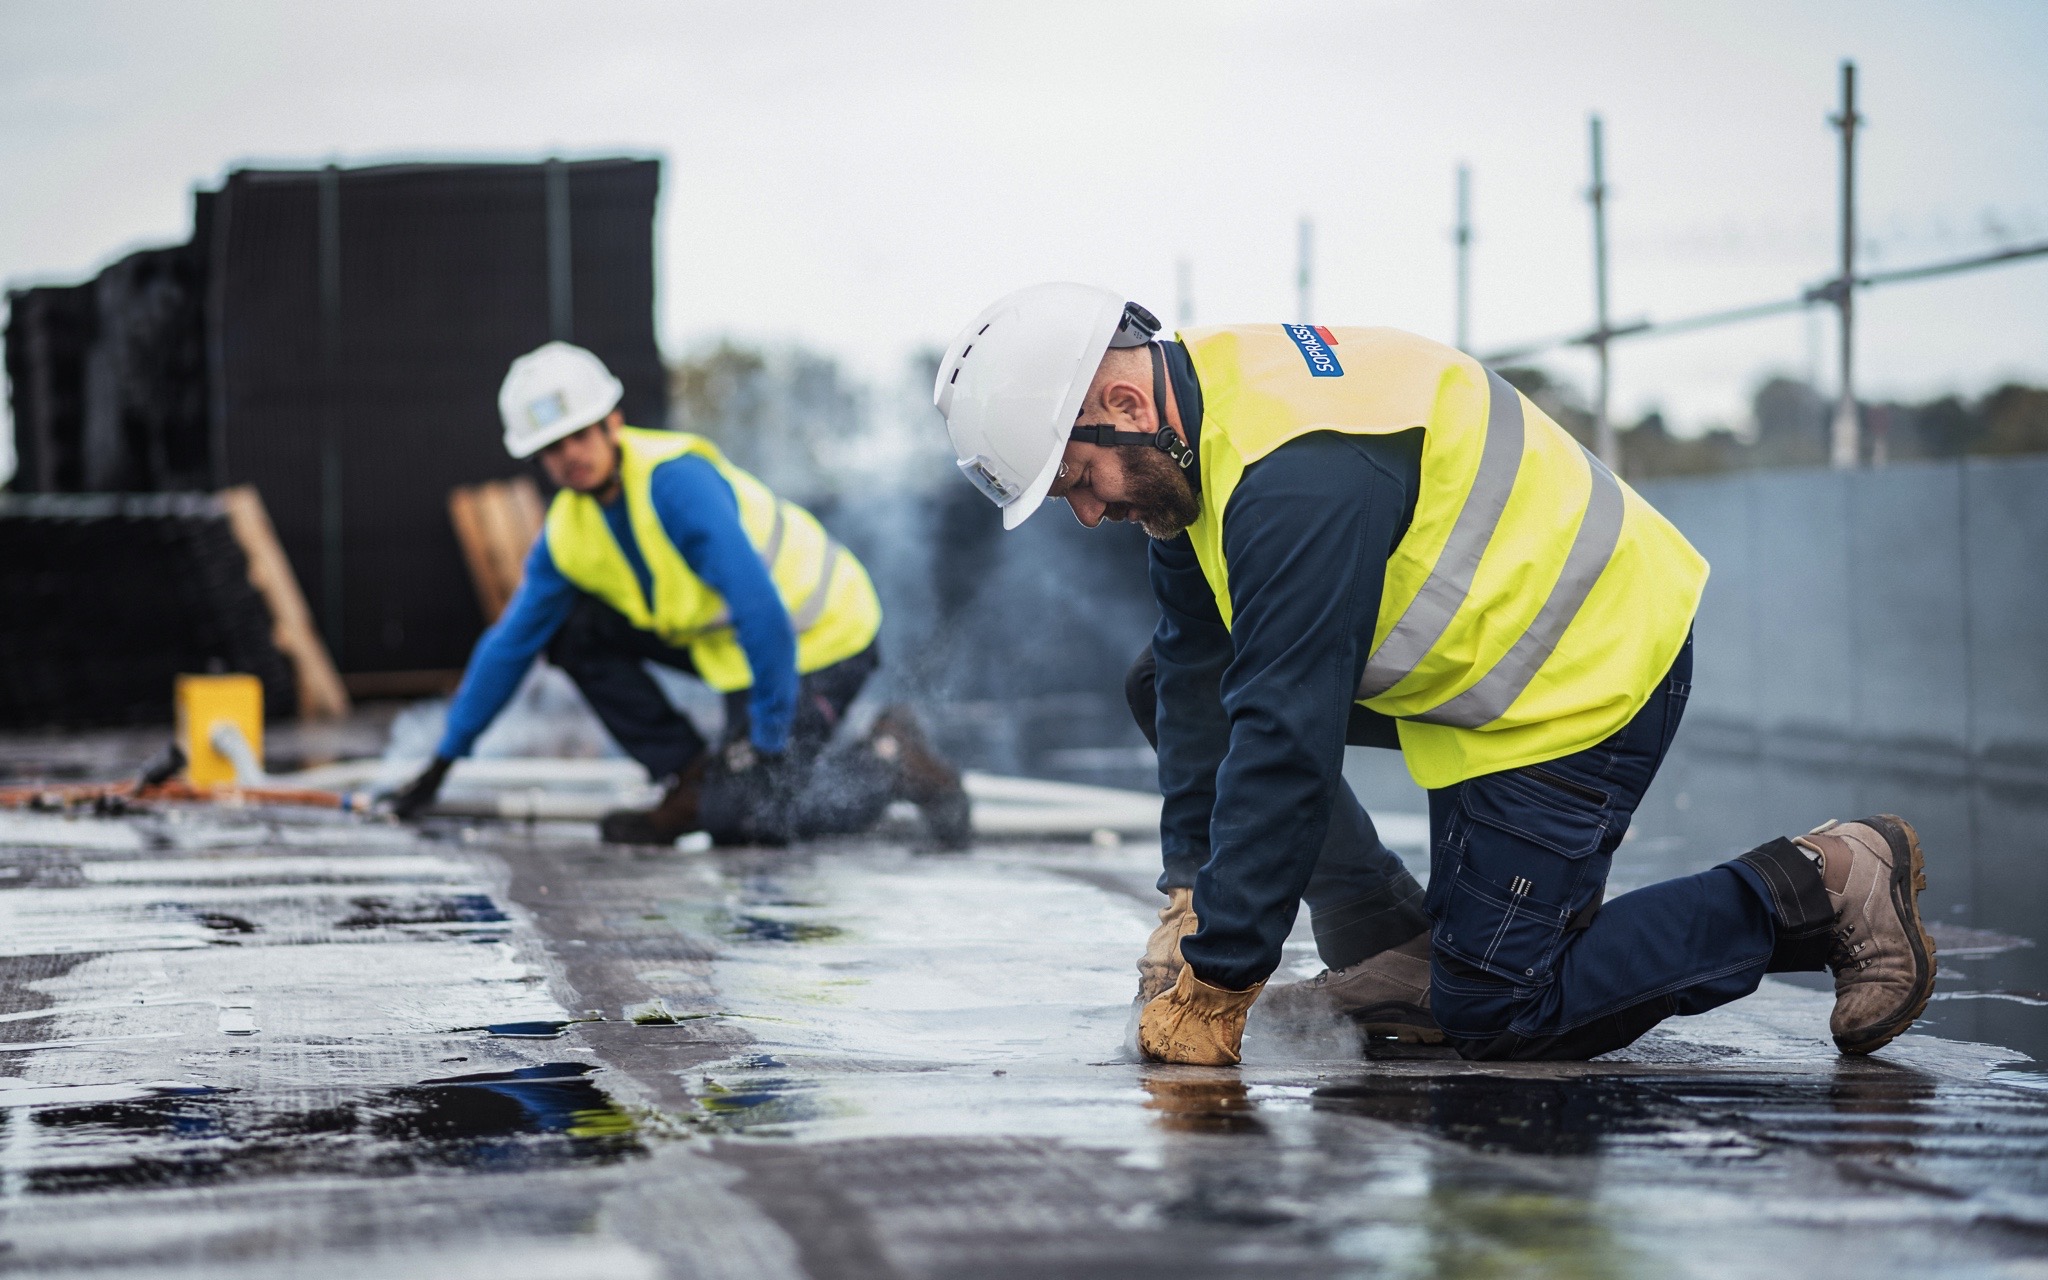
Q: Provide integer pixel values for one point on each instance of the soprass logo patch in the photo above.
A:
(1316, 343)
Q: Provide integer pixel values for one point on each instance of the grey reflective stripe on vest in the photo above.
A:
(812, 609)
(801, 620)
(1429, 614)
(1592, 547)
(774, 547)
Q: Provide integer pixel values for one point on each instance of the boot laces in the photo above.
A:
(1848, 951)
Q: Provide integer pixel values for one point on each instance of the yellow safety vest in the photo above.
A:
(1535, 600)
(832, 604)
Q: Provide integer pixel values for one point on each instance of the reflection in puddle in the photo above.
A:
(529, 1030)
(765, 929)
(535, 1117)
(1574, 1115)
(1203, 1104)
(1870, 1114)
(460, 908)
(759, 1096)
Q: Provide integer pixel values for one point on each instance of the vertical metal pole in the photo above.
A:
(1463, 340)
(216, 334)
(331, 593)
(1302, 279)
(1604, 442)
(1844, 446)
(1184, 287)
(561, 281)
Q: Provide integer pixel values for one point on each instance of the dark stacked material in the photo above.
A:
(336, 338)
(108, 598)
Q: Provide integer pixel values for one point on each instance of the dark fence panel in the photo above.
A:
(365, 318)
(336, 337)
(50, 330)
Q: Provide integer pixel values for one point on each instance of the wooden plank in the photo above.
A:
(465, 512)
(433, 683)
(321, 694)
(496, 523)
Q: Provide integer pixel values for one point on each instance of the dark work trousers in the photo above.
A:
(1361, 898)
(1527, 962)
(840, 789)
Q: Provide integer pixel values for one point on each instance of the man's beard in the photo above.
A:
(1162, 502)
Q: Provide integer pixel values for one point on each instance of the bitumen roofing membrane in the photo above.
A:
(259, 1042)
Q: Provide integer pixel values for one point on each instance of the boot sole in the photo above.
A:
(1403, 1022)
(1909, 880)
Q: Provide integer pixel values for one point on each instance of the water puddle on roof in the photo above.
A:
(73, 1139)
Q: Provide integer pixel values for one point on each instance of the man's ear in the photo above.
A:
(1133, 402)
(613, 421)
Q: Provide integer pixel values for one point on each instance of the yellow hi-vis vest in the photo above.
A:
(1535, 600)
(832, 604)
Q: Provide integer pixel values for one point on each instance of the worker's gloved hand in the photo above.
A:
(418, 794)
(749, 796)
(1196, 1023)
(1161, 963)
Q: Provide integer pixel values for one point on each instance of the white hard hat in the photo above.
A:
(1013, 382)
(554, 391)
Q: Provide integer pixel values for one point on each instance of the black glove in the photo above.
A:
(748, 795)
(420, 792)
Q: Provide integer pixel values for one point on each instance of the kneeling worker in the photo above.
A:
(1362, 536)
(656, 548)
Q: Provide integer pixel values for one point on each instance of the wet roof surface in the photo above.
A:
(244, 1043)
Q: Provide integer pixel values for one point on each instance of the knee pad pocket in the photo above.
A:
(1527, 857)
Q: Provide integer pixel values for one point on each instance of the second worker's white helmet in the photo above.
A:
(554, 391)
(1012, 383)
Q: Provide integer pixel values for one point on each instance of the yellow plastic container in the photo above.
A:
(205, 702)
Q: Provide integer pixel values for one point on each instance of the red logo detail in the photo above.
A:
(1326, 335)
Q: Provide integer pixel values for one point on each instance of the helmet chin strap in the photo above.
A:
(1166, 440)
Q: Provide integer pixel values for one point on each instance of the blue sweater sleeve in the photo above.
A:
(1307, 533)
(1191, 648)
(531, 618)
(701, 516)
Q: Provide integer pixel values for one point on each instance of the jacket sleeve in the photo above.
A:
(701, 516)
(1190, 648)
(531, 618)
(1306, 534)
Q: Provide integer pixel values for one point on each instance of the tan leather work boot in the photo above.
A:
(1386, 995)
(1161, 963)
(1883, 959)
(924, 778)
(1195, 1023)
(676, 814)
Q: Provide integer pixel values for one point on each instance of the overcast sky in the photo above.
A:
(863, 178)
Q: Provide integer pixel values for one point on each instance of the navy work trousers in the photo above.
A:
(840, 790)
(1528, 962)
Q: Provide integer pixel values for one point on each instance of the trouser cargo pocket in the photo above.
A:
(1523, 853)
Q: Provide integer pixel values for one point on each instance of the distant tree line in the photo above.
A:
(1789, 427)
(794, 417)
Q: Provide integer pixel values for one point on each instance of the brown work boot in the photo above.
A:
(676, 815)
(925, 779)
(1161, 963)
(1883, 959)
(1386, 995)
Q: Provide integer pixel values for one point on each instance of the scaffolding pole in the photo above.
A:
(1844, 444)
(1303, 275)
(1604, 442)
(1463, 238)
